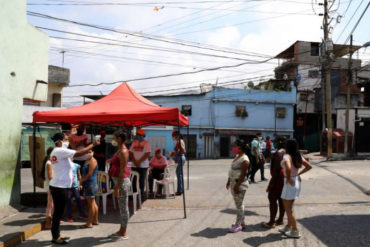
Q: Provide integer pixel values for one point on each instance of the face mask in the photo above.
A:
(114, 143)
(236, 150)
(90, 155)
(139, 138)
(65, 144)
(74, 132)
(259, 138)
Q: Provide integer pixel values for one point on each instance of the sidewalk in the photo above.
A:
(17, 225)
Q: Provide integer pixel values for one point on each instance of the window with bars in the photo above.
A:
(280, 112)
(186, 110)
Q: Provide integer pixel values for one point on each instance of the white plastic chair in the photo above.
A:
(136, 196)
(104, 190)
(167, 181)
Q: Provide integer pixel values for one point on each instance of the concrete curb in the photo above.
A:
(19, 237)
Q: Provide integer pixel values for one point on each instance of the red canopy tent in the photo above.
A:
(122, 107)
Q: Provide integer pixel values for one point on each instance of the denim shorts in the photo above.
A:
(90, 190)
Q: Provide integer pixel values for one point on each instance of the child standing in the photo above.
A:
(75, 192)
(47, 176)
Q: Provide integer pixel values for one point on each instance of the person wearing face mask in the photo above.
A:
(179, 157)
(237, 182)
(99, 151)
(139, 154)
(90, 183)
(120, 173)
(78, 141)
(61, 182)
(258, 159)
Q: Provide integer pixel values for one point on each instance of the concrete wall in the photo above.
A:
(23, 61)
(215, 110)
(53, 88)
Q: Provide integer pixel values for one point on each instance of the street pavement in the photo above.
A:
(334, 210)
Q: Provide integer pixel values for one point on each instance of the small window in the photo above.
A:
(280, 112)
(314, 74)
(303, 96)
(241, 111)
(186, 110)
(57, 100)
(315, 49)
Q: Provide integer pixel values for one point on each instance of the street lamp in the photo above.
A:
(349, 82)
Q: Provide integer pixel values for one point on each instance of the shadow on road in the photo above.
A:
(257, 241)
(233, 211)
(339, 230)
(211, 233)
(86, 242)
(256, 228)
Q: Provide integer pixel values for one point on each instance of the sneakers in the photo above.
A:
(70, 219)
(293, 234)
(267, 225)
(285, 229)
(235, 229)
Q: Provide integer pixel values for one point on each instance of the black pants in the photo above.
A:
(275, 200)
(155, 174)
(257, 166)
(60, 196)
(101, 164)
(142, 173)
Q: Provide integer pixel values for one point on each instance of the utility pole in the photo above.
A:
(63, 57)
(327, 45)
(348, 105)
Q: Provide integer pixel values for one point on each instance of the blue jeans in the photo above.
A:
(179, 174)
(74, 192)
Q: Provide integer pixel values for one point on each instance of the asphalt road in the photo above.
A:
(333, 210)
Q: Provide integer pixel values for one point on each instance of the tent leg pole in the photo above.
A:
(34, 158)
(182, 173)
(188, 159)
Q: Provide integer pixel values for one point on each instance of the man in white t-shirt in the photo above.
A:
(139, 154)
(60, 184)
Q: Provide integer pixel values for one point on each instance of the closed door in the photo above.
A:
(225, 146)
(362, 133)
(208, 147)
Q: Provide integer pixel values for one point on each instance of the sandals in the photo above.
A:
(84, 227)
(60, 242)
(119, 238)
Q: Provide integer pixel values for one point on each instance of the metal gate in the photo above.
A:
(209, 145)
(192, 147)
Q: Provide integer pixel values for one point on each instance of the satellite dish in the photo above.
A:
(250, 84)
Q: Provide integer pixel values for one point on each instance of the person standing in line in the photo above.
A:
(258, 161)
(78, 141)
(157, 168)
(267, 153)
(139, 154)
(120, 173)
(179, 158)
(75, 192)
(90, 184)
(291, 163)
(238, 183)
(47, 174)
(61, 159)
(99, 151)
(275, 186)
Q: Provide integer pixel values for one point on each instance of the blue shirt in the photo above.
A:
(93, 179)
(256, 144)
(75, 182)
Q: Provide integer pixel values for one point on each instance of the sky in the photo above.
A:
(155, 38)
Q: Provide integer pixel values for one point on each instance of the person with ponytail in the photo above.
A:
(292, 163)
(237, 182)
(47, 175)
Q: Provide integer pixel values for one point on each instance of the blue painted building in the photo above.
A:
(220, 116)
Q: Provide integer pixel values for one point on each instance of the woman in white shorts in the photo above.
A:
(291, 164)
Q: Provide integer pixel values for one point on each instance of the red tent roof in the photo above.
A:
(123, 106)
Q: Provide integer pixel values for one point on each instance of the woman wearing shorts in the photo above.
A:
(90, 183)
(291, 163)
